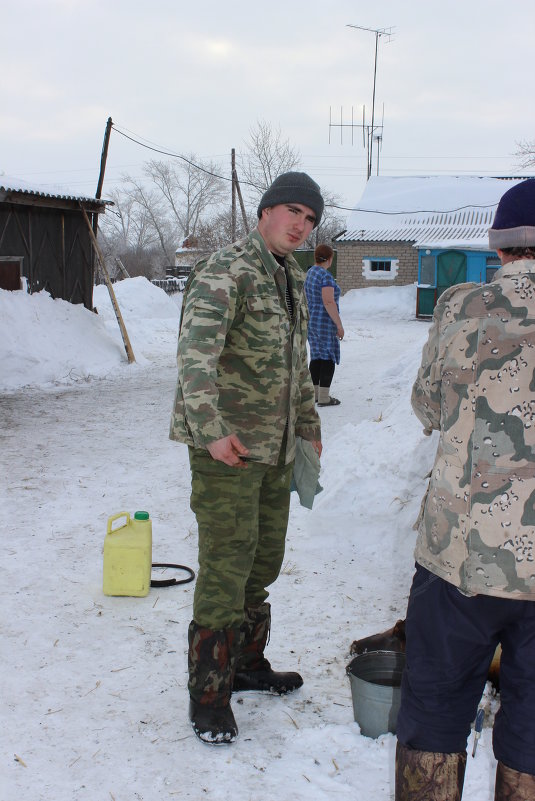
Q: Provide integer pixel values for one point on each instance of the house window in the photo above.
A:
(377, 269)
(380, 266)
(427, 271)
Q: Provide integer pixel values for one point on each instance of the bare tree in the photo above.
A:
(190, 188)
(127, 223)
(525, 153)
(126, 232)
(331, 222)
(173, 200)
(155, 212)
(153, 207)
(267, 155)
(216, 232)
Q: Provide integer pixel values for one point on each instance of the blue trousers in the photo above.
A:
(451, 639)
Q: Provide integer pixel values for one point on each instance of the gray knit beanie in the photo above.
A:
(293, 187)
(514, 222)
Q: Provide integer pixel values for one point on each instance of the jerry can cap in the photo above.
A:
(141, 516)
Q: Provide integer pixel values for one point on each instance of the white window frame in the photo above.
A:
(379, 275)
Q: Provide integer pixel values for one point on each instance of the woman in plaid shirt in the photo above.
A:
(325, 329)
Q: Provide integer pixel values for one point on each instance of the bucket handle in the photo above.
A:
(116, 517)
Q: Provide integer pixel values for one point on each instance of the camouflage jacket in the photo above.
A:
(242, 362)
(476, 385)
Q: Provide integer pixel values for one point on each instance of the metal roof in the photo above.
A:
(427, 211)
(469, 226)
(19, 193)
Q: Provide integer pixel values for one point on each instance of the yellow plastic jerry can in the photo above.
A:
(128, 555)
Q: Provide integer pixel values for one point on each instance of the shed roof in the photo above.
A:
(17, 192)
(428, 211)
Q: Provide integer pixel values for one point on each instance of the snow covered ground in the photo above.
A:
(94, 687)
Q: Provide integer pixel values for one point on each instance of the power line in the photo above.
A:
(417, 211)
(169, 153)
(157, 149)
(179, 156)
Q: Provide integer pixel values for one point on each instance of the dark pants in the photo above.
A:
(242, 517)
(451, 639)
(321, 372)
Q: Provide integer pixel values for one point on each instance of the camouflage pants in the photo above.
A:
(242, 517)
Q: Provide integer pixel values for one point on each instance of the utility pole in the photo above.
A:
(104, 157)
(236, 190)
(371, 131)
(233, 173)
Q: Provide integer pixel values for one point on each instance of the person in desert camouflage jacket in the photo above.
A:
(474, 585)
(243, 395)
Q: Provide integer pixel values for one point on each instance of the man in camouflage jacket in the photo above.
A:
(243, 395)
(474, 585)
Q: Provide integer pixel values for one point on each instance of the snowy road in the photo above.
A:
(95, 687)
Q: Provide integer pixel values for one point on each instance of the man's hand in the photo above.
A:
(228, 450)
(318, 447)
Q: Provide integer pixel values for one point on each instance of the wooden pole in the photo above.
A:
(233, 168)
(240, 198)
(104, 157)
(127, 345)
(122, 268)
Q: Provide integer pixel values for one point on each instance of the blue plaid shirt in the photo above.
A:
(324, 344)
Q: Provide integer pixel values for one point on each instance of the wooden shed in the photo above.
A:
(45, 239)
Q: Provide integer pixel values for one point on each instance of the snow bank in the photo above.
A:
(46, 342)
(394, 302)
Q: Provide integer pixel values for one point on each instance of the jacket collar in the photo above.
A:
(268, 259)
(519, 267)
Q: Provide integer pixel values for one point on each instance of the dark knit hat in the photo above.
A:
(293, 187)
(514, 222)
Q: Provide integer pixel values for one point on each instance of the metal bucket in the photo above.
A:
(375, 679)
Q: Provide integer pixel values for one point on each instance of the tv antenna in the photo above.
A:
(366, 133)
(369, 132)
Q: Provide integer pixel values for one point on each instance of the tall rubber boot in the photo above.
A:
(253, 671)
(211, 664)
(511, 785)
(428, 776)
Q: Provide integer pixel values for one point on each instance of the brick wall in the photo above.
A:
(349, 272)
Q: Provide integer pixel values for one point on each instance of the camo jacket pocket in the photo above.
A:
(262, 325)
(204, 320)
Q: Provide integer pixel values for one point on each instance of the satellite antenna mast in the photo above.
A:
(379, 137)
(371, 132)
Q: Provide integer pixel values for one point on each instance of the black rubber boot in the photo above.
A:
(214, 725)
(253, 671)
(267, 681)
(211, 663)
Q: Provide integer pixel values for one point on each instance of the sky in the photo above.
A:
(455, 80)
(94, 687)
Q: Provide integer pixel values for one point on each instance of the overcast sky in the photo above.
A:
(456, 81)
